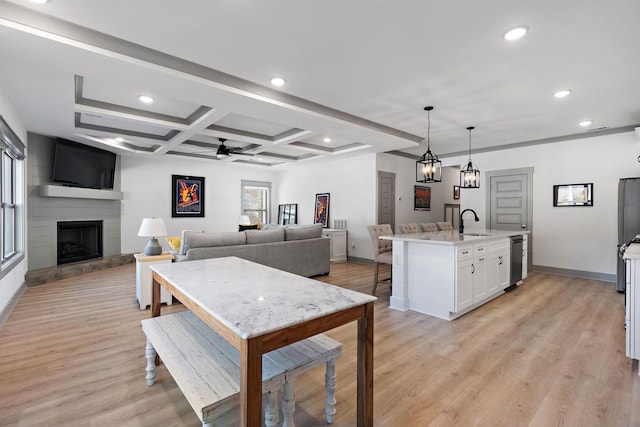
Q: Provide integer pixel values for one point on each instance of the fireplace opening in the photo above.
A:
(79, 240)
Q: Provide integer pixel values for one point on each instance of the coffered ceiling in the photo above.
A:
(358, 72)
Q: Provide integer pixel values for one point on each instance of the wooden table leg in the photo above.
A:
(365, 367)
(155, 297)
(251, 383)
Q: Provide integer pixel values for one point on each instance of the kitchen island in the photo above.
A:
(447, 274)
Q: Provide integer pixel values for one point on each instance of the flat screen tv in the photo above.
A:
(80, 165)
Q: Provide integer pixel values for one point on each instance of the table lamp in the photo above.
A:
(152, 227)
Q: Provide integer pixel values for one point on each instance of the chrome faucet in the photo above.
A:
(475, 215)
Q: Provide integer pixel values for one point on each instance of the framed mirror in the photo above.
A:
(288, 213)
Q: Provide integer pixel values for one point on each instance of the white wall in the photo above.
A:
(146, 184)
(405, 171)
(352, 186)
(579, 238)
(11, 282)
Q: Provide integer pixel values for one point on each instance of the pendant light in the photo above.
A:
(428, 167)
(469, 175)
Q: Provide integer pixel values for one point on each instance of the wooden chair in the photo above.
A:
(444, 226)
(382, 250)
(409, 228)
(429, 227)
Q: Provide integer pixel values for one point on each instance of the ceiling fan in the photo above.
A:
(223, 150)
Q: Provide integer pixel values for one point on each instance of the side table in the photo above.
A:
(338, 243)
(144, 279)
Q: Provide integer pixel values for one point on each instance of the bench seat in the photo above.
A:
(206, 367)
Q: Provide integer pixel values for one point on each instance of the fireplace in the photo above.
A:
(79, 240)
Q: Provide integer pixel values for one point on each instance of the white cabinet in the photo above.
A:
(464, 285)
(144, 278)
(525, 254)
(471, 276)
(498, 265)
(338, 243)
(632, 301)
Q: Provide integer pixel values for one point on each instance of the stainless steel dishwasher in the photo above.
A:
(516, 262)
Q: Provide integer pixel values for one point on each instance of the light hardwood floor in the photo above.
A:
(551, 353)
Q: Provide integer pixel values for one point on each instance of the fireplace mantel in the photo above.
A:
(79, 193)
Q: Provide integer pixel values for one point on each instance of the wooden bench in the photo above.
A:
(206, 368)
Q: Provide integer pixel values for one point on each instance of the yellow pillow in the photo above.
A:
(174, 242)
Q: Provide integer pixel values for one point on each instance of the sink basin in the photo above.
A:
(476, 234)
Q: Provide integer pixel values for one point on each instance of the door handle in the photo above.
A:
(473, 268)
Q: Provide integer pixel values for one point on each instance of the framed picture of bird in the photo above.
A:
(187, 195)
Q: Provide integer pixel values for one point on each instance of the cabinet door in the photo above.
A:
(339, 246)
(504, 263)
(493, 266)
(525, 250)
(464, 284)
(479, 278)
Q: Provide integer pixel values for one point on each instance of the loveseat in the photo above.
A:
(298, 249)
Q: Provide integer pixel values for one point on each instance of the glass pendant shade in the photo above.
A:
(428, 167)
(469, 175)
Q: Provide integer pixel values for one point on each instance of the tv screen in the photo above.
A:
(80, 165)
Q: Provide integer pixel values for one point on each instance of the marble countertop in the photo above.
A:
(632, 251)
(454, 237)
(253, 299)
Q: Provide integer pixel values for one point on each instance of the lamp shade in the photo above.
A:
(244, 220)
(152, 227)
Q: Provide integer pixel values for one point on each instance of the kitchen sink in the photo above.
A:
(477, 234)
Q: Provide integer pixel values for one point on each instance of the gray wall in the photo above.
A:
(45, 212)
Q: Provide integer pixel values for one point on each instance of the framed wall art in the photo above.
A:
(573, 195)
(421, 198)
(187, 195)
(321, 214)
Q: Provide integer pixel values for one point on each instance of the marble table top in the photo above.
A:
(253, 299)
(454, 237)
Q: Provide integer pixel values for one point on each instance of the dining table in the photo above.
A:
(258, 309)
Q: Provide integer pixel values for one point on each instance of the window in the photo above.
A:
(11, 196)
(8, 204)
(255, 201)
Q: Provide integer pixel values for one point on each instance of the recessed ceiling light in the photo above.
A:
(146, 99)
(562, 93)
(39, 1)
(585, 123)
(327, 139)
(516, 33)
(119, 139)
(277, 81)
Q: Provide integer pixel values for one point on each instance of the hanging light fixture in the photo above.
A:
(428, 167)
(469, 175)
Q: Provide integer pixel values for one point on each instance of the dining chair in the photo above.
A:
(444, 226)
(382, 250)
(429, 227)
(409, 228)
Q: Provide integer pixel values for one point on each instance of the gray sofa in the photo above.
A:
(298, 249)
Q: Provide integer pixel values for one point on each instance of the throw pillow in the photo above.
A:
(174, 242)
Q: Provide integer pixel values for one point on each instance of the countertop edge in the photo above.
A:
(452, 238)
